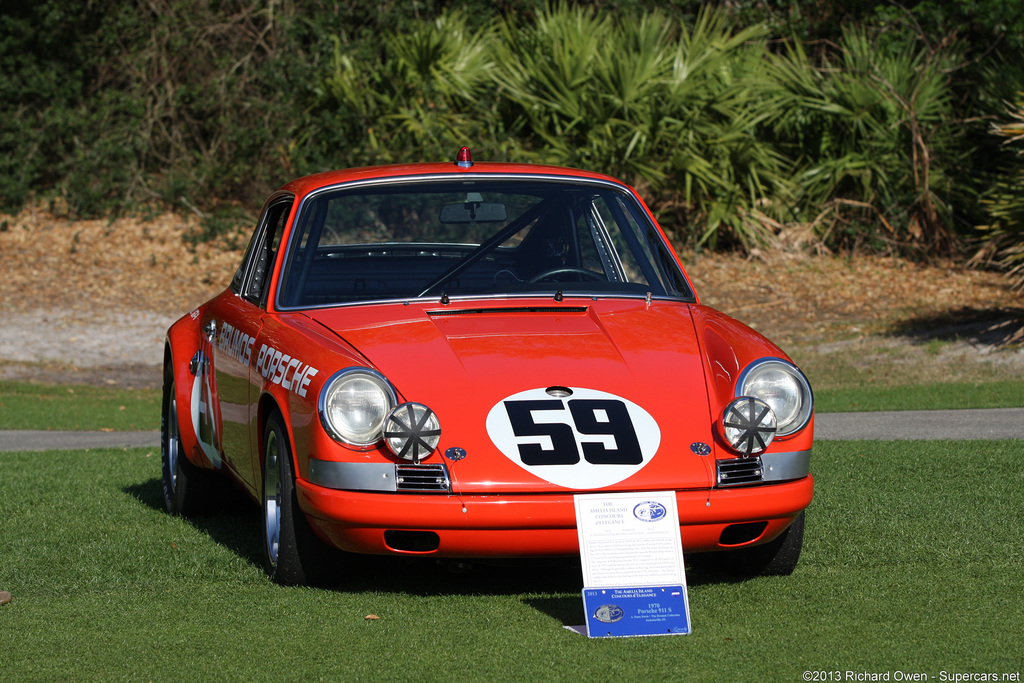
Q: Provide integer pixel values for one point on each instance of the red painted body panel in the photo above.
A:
(508, 526)
(473, 362)
(303, 186)
(182, 343)
(729, 346)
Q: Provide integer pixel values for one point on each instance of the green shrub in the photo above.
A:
(1003, 238)
(667, 107)
(871, 129)
(425, 95)
(734, 132)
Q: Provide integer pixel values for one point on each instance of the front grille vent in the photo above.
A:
(740, 471)
(422, 478)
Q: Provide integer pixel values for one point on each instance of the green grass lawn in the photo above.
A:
(937, 396)
(25, 405)
(912, 563)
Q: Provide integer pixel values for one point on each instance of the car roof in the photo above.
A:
(302, 186)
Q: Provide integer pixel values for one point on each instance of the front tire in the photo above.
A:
(187, 488)
(292, 553)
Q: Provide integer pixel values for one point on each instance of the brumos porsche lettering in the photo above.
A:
(577, 438)
(280, 368)
(235, 343)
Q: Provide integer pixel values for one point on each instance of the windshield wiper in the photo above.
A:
(485, 248)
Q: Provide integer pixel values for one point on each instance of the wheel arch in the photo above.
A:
(180, 344)
(268, 405)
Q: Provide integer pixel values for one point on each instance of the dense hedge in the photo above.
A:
(848, 124)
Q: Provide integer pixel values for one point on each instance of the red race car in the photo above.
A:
(432, 359)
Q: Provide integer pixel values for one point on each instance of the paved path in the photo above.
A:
(19, 440)
(917, 425)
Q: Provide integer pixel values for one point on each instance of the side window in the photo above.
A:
(236, 281)
(627, 223)
(656, 264)
(593, 244)
(259, 259)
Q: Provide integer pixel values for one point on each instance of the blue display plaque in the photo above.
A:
(636, 611)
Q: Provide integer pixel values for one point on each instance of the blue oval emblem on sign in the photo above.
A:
(649, 511)
(608, 614)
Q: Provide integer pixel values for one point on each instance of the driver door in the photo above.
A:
(231, 326)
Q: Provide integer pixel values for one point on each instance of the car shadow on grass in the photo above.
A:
(550, 585)
(233, 521)
(997, 327)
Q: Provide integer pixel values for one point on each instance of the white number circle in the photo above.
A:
(588, 440)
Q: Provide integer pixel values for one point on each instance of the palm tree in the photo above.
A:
(1003, 238)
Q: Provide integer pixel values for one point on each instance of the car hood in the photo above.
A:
(580, 394)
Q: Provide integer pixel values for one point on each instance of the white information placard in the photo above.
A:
(629, 539)
(633, 573)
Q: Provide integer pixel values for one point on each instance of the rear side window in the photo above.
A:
(253, 275)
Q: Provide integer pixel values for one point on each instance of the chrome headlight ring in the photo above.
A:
(783, 387)
(353, 405)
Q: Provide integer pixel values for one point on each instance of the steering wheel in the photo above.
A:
(565, 270)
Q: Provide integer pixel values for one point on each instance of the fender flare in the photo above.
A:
(270, 402)
(182, 342)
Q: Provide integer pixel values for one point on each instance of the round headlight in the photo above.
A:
(783, 387)
(353, 405)
(412, 431)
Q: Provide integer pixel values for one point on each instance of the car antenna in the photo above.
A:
(558, 295)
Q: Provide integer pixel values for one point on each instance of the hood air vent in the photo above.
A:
(511, 309)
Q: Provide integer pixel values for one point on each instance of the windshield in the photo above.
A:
(474, 238)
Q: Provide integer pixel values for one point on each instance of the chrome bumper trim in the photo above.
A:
(353, 476)
(786, 466)
(766, 468)
(382, 477)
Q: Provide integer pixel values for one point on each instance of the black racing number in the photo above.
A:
(591, 417)
(563, 444)
(602, 417)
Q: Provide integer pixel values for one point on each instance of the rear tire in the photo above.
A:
(187, 488)
(778, 557)
(292, 553)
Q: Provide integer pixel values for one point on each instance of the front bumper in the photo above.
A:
(518, 525)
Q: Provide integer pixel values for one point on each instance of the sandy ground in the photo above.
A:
(91, 301)
(86, 341)
(66, 345)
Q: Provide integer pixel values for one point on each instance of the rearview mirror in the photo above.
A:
(474, 212)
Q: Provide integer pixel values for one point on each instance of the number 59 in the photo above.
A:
(590, 417)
